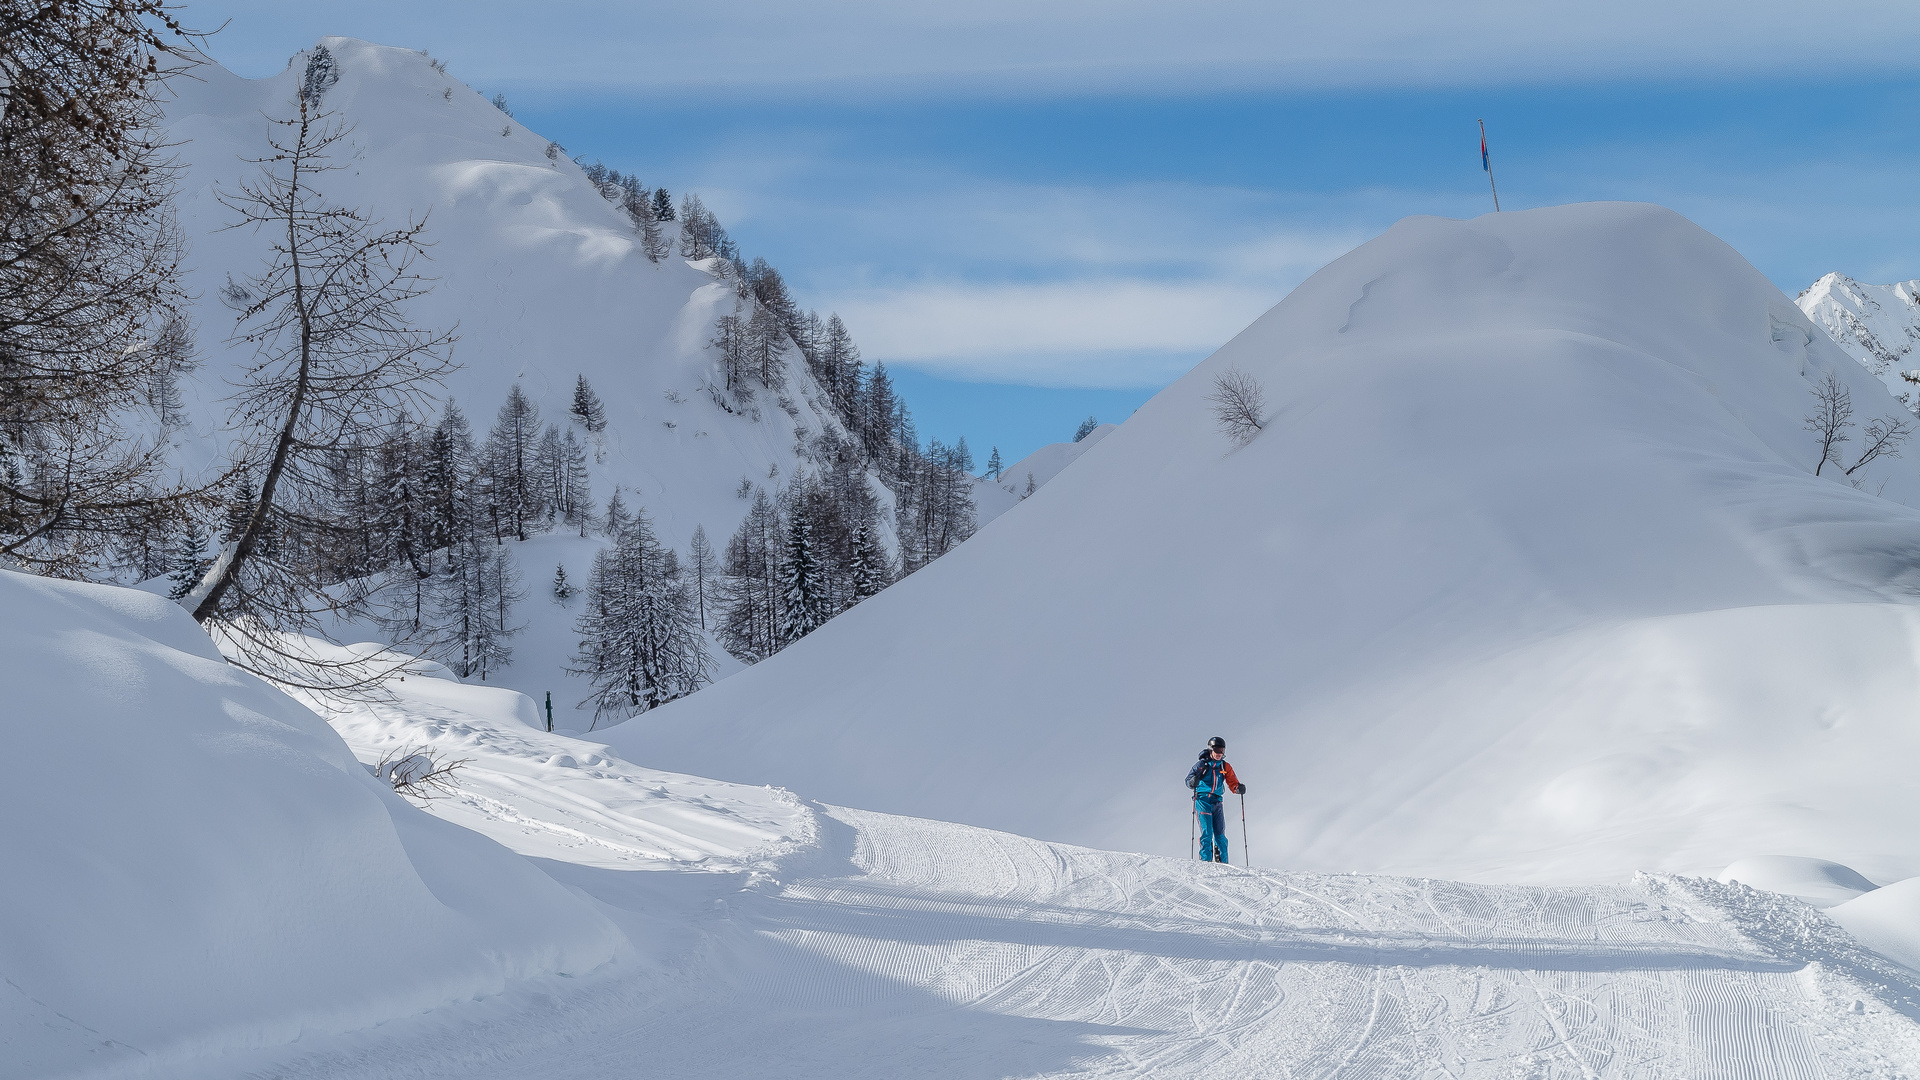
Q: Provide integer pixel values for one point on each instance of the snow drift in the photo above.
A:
(195, 863)
(1528, 577)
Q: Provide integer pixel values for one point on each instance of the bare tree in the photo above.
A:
(89, 270)
(1831, 418)
(1884, 437)
(1832, 415)
(335, 360)
(1239, 405)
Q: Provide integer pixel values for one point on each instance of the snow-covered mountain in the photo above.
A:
(545, 279)
(1529, 577)
(1877, 325)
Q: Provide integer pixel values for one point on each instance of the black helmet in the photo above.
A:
(1217, 743)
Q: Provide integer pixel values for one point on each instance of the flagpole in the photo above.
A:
(1487, 160)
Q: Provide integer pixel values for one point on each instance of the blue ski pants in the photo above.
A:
(1213, 828)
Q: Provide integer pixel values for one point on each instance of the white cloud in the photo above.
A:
(858, 47)
(1059, 333)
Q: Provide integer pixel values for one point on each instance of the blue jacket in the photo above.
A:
(1211, 779)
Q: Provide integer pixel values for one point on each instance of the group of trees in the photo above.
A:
(89, 278)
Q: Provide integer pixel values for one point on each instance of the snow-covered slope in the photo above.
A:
(1528, 577)
(543, 276)
(1033, 471)
(193, 862)
(1877, 325)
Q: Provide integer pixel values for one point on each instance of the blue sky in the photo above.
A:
(1037, 212)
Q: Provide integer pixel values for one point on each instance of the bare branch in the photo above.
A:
(1239, 405)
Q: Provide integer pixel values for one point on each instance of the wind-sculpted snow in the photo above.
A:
(193, 862)
(900, 947)
(1527, 577)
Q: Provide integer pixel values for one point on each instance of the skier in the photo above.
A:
(1210, 779)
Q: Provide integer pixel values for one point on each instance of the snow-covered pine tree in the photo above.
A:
(876, 413)
(869, 565)
(640, 645)
(662, 205)
(190, 558)
(994, 465)
(511, 464)
(562, 588)
(1086, 428)
(321, 73)
(449, 477)
(587, 411)
(803, 585)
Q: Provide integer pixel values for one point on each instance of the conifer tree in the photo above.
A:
(640, 645)
(994, 466)
(562, 588)
(749, 624)
(869, 564)
(662, 205)
(511, 462)
(803, 585)
(190, 558)
(577, 507)
(587, 411)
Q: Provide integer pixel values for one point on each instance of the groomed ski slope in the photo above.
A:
(840, 943)
(902, 947)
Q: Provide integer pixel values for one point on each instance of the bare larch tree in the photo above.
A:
(335, 359)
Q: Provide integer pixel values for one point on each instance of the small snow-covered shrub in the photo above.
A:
(417, 773)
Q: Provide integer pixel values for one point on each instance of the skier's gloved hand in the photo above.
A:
(1241, 790)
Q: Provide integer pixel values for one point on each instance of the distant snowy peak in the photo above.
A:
(1877, 325)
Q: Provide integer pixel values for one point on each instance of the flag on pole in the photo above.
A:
(1485, 163)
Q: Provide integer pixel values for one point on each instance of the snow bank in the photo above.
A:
(1527, 578)
(1886, 920)
(195, 863)
(1816, 881)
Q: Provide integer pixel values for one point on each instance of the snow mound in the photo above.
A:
(1816, 881)
(1528, 578)
(1886, 920)
(1877, 325)
(196, 864)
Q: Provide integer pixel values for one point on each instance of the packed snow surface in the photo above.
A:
(900, 947)
(1528, 577)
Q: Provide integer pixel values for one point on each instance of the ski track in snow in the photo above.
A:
(901, 947)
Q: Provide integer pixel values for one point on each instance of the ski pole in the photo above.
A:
(1193, 833)
(1245, 858)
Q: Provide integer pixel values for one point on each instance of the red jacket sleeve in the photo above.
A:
(1233, 782)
